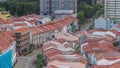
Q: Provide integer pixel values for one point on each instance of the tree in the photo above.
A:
(39, 61)
(81, 15)
(99, 9)
(88, 11)
(2, 9)
(81, 6)
(20, 8)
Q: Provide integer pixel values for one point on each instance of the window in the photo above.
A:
(18, 42)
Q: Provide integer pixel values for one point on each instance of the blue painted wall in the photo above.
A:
(6, 60)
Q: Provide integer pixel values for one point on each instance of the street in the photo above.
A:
(86, 26)
(27, 61)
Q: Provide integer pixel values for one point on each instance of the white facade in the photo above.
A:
(100, 23)
(104, 23)
(112, 9)
(13, 48)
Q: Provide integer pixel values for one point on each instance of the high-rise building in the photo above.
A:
(47, 7)
(93, 2)
(112, 9)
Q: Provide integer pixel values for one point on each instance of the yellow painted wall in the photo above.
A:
(5, 15)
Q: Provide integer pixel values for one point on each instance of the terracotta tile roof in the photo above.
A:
(101, 46)
(52, 66)
(115, 32)
(42, 28)
(59, 23)
(35, 30)
(20, 24)
(115, 65)
(91, 31)
(34, 21)
(61, 41)
(17, 19)
(60, 64)
(108, 55)
(5, 40)
(69, 58)
(51, 52)
(68, 45)
(58, 43)
(102, 30)
(48, 45)
(68, 37)
(92, 39)
(21, 30)
(27, 18)
(33, 16)
(82, 33)
(2, 21)
(109, 38)
(11, 32)
(100, 66)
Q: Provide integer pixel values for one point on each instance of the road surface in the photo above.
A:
(27, 61)
(86, 26)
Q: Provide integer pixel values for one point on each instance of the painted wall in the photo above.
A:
(5, 16)
(6, 60)
(64, 30)
(100, 23)
(13, 48)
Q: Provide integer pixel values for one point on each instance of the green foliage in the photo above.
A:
(91, 27)
(2, 9)
(77, 50)
(87, 9)
(99, 9)
(20, 8)
(39, 61)
(81, 15)
(97, 14)
(90, 11)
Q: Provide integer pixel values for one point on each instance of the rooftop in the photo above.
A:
(100, 46)
(68, 37)
(108, 55)
(59, 64)
(21, 30)
(5, 40)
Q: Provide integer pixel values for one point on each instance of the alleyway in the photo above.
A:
(27, 61)
(86, 26)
